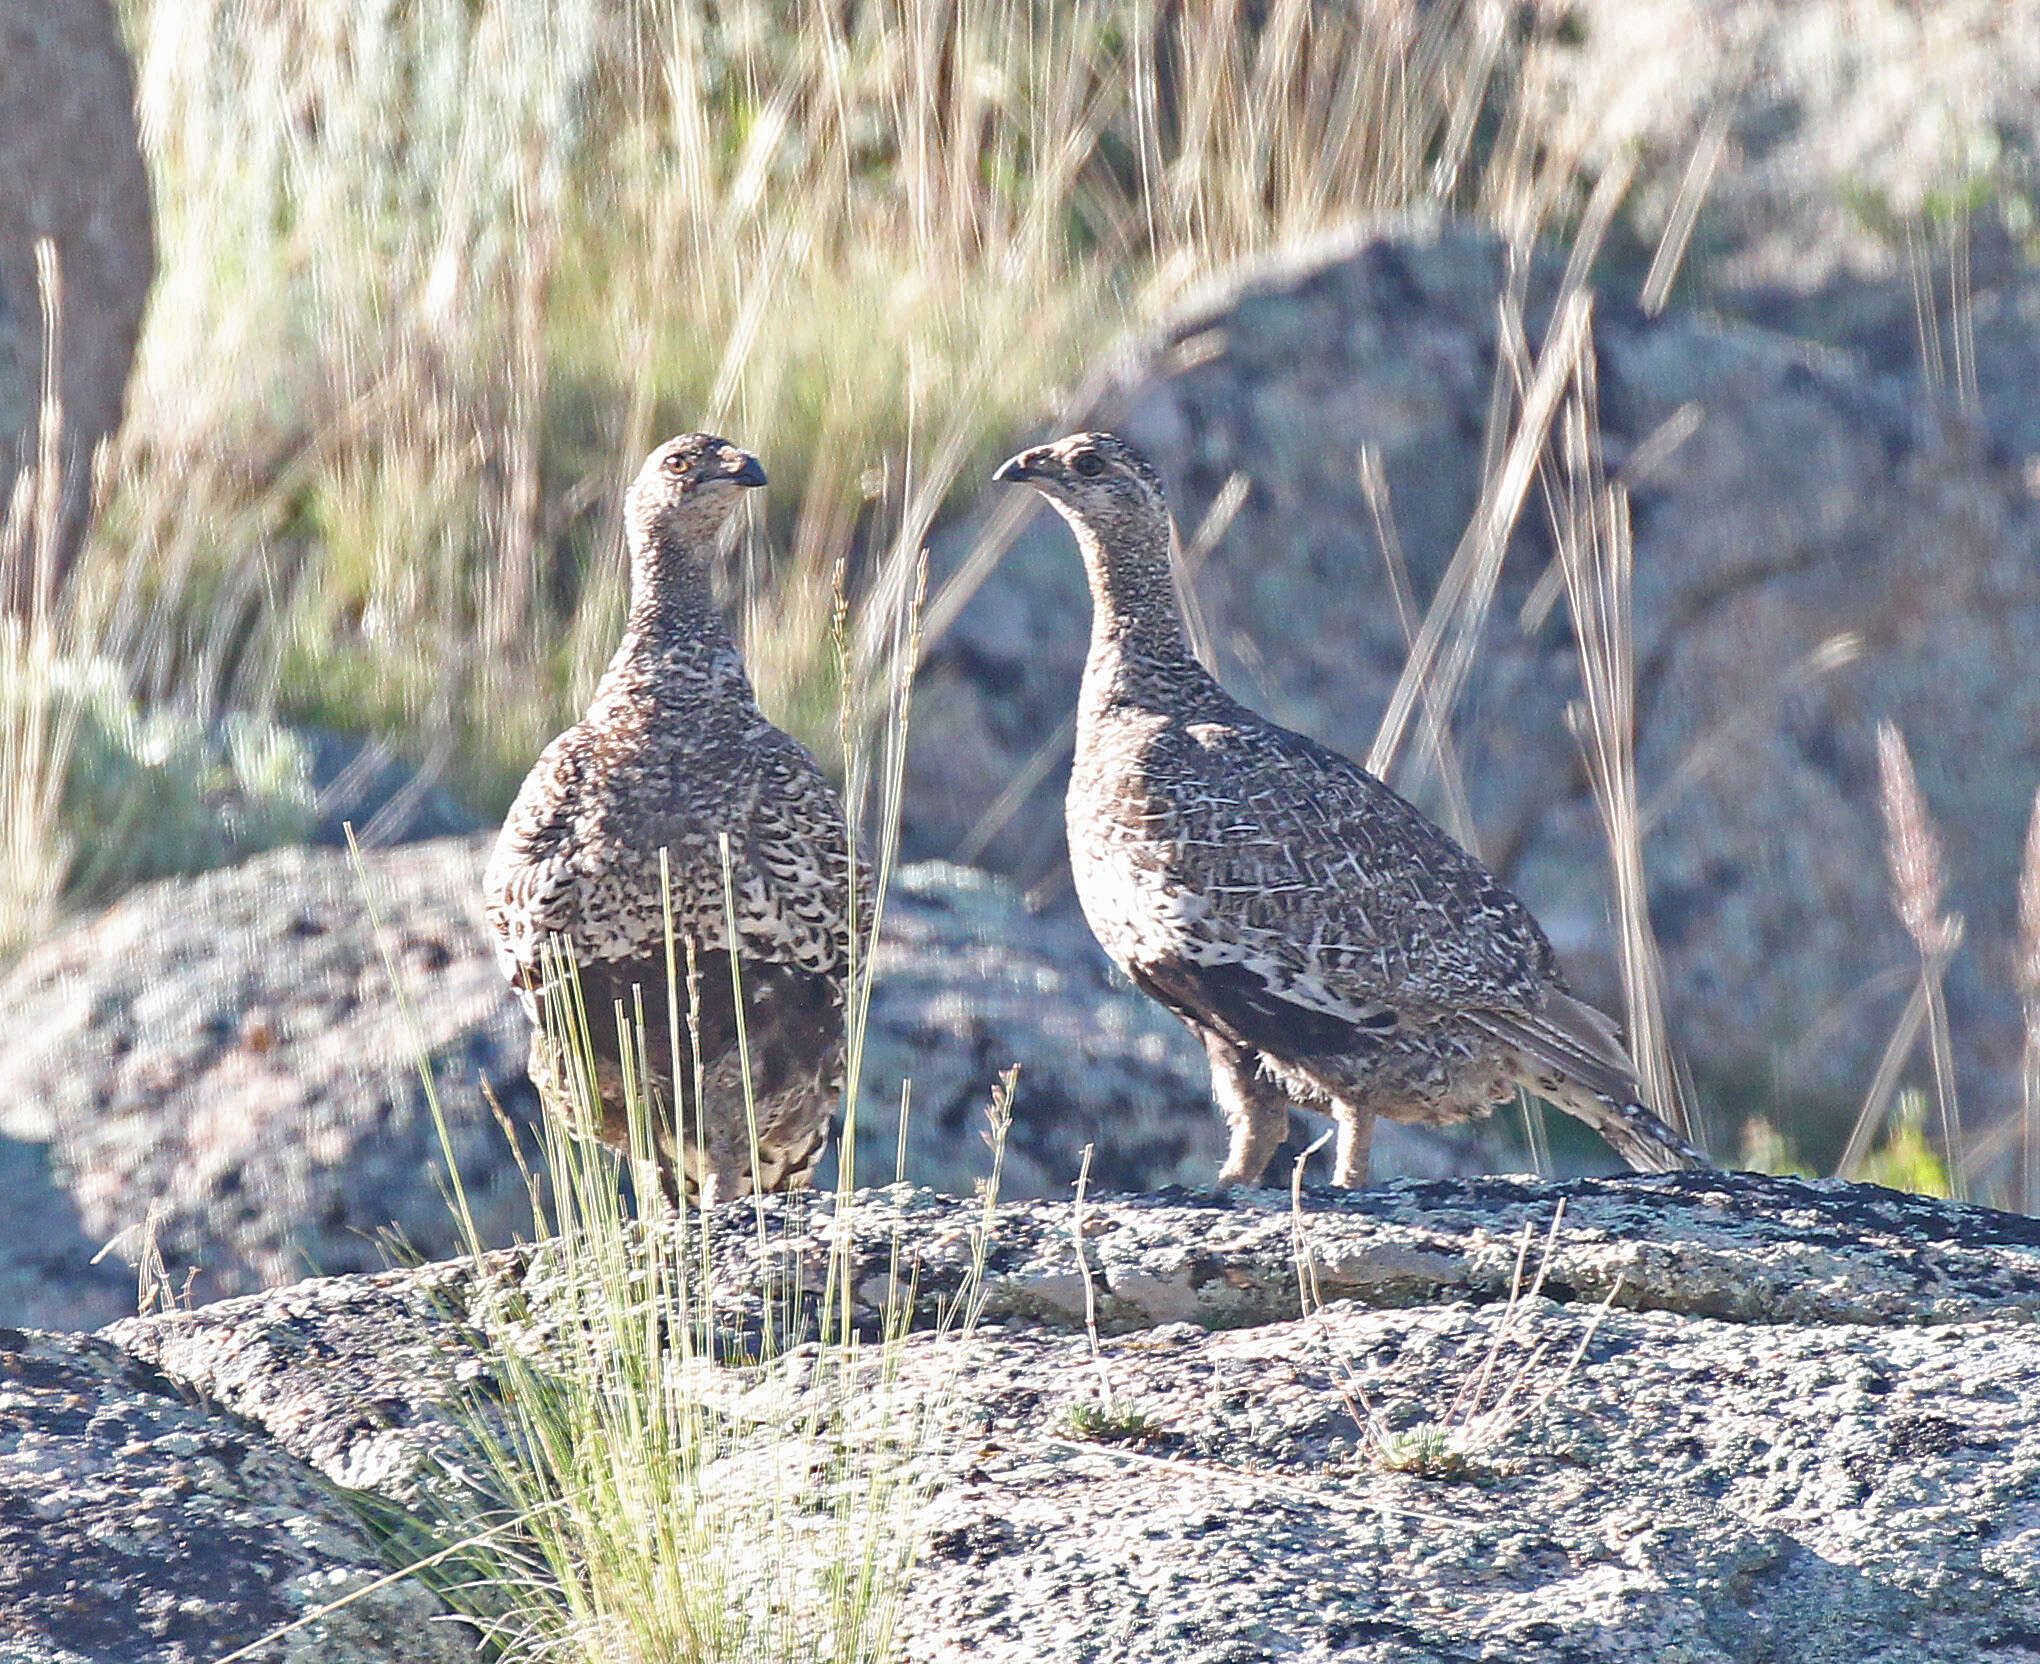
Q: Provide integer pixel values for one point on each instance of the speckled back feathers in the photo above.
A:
(1310, 924)
(673, 757)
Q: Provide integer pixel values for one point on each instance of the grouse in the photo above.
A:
(1323, 940)
(674, 758)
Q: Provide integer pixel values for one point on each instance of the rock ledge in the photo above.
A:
(1807, 1428)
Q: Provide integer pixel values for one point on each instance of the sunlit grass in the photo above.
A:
(435, 276)
(682, 1473)
(683, 1470)
(678, 1460)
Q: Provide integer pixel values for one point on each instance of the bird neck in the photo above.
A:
(673, 618)
(1137, 640)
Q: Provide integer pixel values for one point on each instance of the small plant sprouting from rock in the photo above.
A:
(687, 1478)
(1104, 1419)
(1109, 1422)
(1907, 1159)
(1492, 1402)
(1430, 1450)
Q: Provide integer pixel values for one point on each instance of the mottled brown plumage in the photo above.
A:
(673, 755)
(1322, 938)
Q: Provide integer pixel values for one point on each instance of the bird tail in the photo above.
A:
(1569, 1053)
(1631, 1130)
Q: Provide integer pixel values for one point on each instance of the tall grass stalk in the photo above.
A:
(1443, 756)
(1591, 527)
(678, 1476)
(691, 1478)
(1448, 643)
(35, 737)
(434, 276)
(2029, 992)
(1083, 1253)
(1918, 881)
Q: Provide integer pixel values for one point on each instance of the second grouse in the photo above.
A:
(675, 756)
(1321, 937)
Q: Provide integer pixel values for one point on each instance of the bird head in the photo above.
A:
(687, 488)
(1097, 481)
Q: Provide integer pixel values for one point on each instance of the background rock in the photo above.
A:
(52, 1274)
(223, 1063)
(1809, 561)
(365, 789)
(1861, 144)
(70, 170)
(1808, 1428)
(225, 1055)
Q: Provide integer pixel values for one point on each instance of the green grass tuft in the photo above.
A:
(1109, 1423)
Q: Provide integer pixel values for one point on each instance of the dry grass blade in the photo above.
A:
(1104, 1417)
(1882, 1092)
(1912, 849)
(1446, 645)
(1441, 753)
(1721, 743)
(142, 1245)
(1596, 552)
(1918, 879)
(1481, 1416)
(1473, 1390)
(37, 729)
(1310, 1297)
(1187, 561)
(1046, 757)
(1090, 1285)
(1685, 214)
(2029, 993)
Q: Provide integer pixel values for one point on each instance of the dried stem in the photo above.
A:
(1918, 880)
(2029, 994)
(1596, 551)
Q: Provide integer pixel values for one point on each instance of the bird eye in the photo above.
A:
(1090, 464)
(674, 462)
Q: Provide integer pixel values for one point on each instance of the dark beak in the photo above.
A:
(751, 473)
(1017, 468)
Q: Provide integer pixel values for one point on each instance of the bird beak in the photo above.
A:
(1020, 468)
(750, 472)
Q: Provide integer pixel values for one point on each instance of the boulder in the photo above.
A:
(219, 1070)
(139, 1525)
(1811, 559)
(1858, 146)
(71, 171)
(222, 1066)
(1746, 1419)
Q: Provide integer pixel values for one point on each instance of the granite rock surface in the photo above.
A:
(1746, 1418)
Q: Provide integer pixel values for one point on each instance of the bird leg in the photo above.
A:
(1356, 1145)
(1255, 1108)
